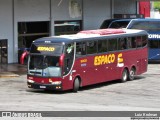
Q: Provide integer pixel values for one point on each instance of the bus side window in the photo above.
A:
(112, 44)
(83, 45)
(144, 41)
(132, 42)
(91, 47)
(122, 43)
(139, 41)
(80, 48)
(102, 46)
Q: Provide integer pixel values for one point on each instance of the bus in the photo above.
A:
(68, 62)
(152, 26)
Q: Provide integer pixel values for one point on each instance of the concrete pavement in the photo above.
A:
(12, 70)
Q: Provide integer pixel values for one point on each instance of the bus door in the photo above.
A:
(69, 59)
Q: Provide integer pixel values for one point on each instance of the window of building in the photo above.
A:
(3, 50)
(67, 27)
(28, 32)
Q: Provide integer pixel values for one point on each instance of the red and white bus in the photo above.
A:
(89, 57)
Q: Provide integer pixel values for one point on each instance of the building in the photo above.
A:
(22, 21)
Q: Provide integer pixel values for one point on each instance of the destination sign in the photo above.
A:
(45, 48)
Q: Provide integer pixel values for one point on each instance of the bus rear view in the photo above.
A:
(152, 26)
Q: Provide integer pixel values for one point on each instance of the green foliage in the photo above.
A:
(157, 5)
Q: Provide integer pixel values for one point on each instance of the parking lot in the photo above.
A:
(139, 95)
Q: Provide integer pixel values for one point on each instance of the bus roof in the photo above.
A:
(89, 34)
(103, 31)
(146, 19)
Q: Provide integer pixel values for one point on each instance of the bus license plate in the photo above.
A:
(42, 87)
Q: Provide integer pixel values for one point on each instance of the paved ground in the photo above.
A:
(140, 94)
(12, 70)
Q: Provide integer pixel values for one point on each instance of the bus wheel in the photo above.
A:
(76, 85)
(132, 74)
(124, 75)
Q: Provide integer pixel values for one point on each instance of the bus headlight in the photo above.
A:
(56, 83)
(30, 81)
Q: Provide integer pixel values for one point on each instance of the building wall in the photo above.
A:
(6, 25)
(65, 10)
(61, 10)
(32, 10)
(94, 12)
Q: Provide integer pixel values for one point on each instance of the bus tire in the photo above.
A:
(76, 85)
(132, 74)
(124, 75)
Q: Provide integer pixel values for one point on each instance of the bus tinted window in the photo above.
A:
(91, 47)
(102, 46)
(146, 25)
(122, 43)
(80, 48)
(131, 42)
(144, 41)
(154, 44)
(139, 41)
(112, 44)
(119, 24)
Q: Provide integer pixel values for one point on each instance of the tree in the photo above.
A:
(157, 6)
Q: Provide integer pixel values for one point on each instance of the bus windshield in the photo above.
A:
(149, 26)
(46, 66)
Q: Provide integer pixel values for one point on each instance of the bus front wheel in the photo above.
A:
(76, 85)
(124, 75)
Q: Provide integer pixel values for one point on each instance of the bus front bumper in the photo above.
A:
(44, 86)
